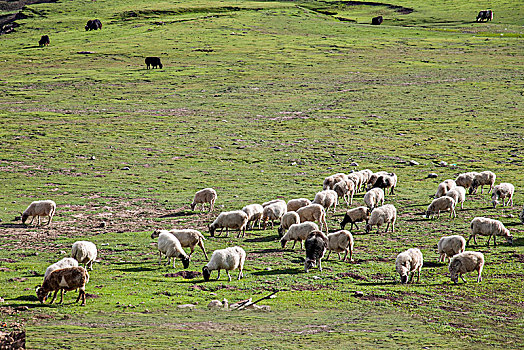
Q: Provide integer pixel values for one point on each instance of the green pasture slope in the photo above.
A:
(258, 100)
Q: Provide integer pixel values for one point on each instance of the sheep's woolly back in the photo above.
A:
(228, 259)
(273, 202)
(253, 211)
(408, 261)
(451, 245)
(339, 241)
(358, 214)
(170, 246)
(458, 193)
(300, 231)
(374, 197)
(231, 219)
(61, 264)
(289, 218)
(274, 211)
(326, 198)
(384, 214)
(465, 262)
(444, 187)
(206, 195)
(316, 244)
(466, 179)
(84, 252)
(487, 227)
(40, 208)
(443, 203)
(295, 204)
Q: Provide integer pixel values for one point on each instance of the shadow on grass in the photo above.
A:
(178, 214)
(262, 239)
(137, 269)
(266, 251)
(294, 271)
(14, 226)
(511, 224)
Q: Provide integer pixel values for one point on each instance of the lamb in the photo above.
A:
(450, 246)
(503, 190)
(169, 245)
(355, 215)
(465, 262)
(61, 264)
(481, 179)
(374, 197)
(341, 241)
(298, 232)
(254, 214)
(313, 212)
(444, 187)
(207, 195)
(458, 193)
(316, 244)
(67, 279)
(85, 253)
(228, 259)
(295, 204)
(38, 209)
(386, 181)
(345, 189)
(489, 227)
(382, 215)
(441, 204)
(273, 212)
(466, 179)
(235, 220)
(326, 198)
(187, 238)
(288, 219)
(330, 181)
(409, 262)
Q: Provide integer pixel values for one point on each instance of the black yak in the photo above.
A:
(377, 20)
(93, 24)
(485, 15)
(154, 62)
(44, 40)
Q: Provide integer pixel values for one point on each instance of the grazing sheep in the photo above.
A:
(489, 227)
(273, 212)
(521, 216)
(330, 181)
(466, 179)
(316, 244)
(313, 212)
(187, 238)
(298, 232)
(466, 262)
(235, 220)
(355, 178)
(61, 264)
(374, 197)
(273, 202)
(481, 179)
(458, 193)
(409, 262)
(444, 187)
(450, 246)
(373, 178)
(254, 214)
(386, 181)
(207, 195)
(341, 241)
(44, 40)
(169, 245)
(503, 190)
(85, 253)
(295, 204)
(288, 219)
(69, 278)
(326, 198)
(345, 189)
(228, 259)
(386, 214)
(38, 209)
(355, 215)
(441, 204)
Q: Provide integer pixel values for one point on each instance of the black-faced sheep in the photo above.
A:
(44, 40)
(489, 227)
(386, 181)
(153, 62)
(67, 279)
(235, 220)
(341, 241)
(316, 244)
(504, 190)
(228, 259)
(187, 238)
(449, 246)
(407, 263)
(205, 196)
(288, 219)
(254, 215)
(313, 212)
(355, 215)
(84, 252)
(444, 203)
(466, 262)
(169, 245)
(483, 178)
(295, 204)
(298, 232)
(386, 214)
(39, 209)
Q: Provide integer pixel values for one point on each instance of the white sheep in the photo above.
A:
(489, 227)
(466, 179)
(409, 262)
(386, 214)
(273, 202)
(313, 212)
(331, 180)
(503, 190)
(187, 238)
(273, 212)
(84, 252)
(207, 195)
(444, 203)
(465, 262)
(234, 220)
(288, 219)
(295, 204)
(352, 216)
(61, 264)
(374, 197)
(356, 179)
(444, 187)
(169, 245)
(345, 189)
(39, 209)
(481, 179)
(366, 175)
(254, 214)
(341, 241)
(228, 259)
(298, 232)
(449, 246)
(316, 244)
(327, 199)
(458, 193)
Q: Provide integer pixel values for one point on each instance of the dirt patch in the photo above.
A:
(184, 274)
(519, 257)
(7, 22)
(92, 296)
(12, 340)
(352, 275)
(7, 260)
(17, 279)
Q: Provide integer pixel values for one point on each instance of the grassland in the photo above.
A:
(258, 100)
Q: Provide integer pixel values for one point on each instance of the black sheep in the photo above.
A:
(316, 245)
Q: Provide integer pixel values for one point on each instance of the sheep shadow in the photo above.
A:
(179, 214)
(14, 226)
(137, 269)
(261, 239)
(288, 271)
(25, 298)
(431, 264)
(511, 224)
(267, 251)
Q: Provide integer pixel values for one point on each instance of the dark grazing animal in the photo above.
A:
(44, 40)
(316, 245)
(377, 20)
(154, 62)
(485, 15)
(66, 279)
(93, 24)
(386, 181)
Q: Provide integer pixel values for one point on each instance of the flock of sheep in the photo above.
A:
(298, 220)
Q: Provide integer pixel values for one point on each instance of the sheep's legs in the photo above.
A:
(228, 275)
(218, 277)
(295, 242)
(479, 278)
(61, 296)
(54, 297)
(418, 276)
(387, 227)
(240, 274)
(462, 277)
(319, 262)
(329, 252)
(201, 245)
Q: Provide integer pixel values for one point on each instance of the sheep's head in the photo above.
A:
(453, 270)
(495, 203)
(509, 237)
(403, 271)
(185, 261)
(283, 243)
(428, 214)
(368, 228)
(41, 294)
(155, 234)
(206, 273)
(24, 218)
(193, 205)
(309, 264)
(212, 230)
(280, 231)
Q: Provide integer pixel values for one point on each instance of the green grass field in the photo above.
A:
(259, 100)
